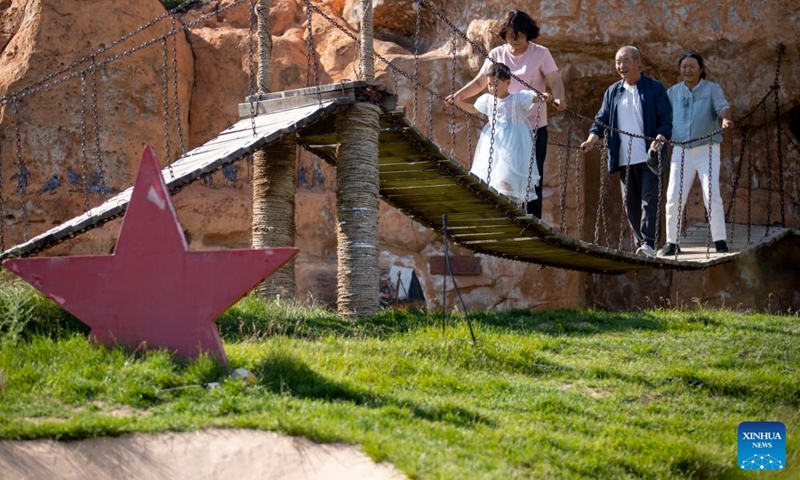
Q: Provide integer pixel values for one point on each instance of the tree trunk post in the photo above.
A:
(274, 186)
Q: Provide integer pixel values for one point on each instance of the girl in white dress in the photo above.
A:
(504, 156)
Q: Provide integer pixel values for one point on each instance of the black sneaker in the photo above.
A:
(721, 246)
(669, 249)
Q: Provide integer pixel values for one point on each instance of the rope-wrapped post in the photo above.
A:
(357, 190)
(274, 183)
(273, 211)
(367, 50)
(358, 288)
(264, 47)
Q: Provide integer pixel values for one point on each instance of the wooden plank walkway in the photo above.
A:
(417, 178)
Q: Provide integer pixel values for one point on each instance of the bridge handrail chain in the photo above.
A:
(681, 206)
(165, 89)
(23, 170)
(96, 124)
(176, 100)
(562, 171)
(84, 183)
(769, 171)
(781, 186)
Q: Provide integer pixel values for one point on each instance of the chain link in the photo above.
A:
(492, 133)
(749, 192)
(311, 55)
(165, 85)
(768, 169)
(535, 130)
(679, 224)
(22, 169)
(624, 189)
(453, 92)
(710, 197)
(601, 211)
(415, 80)
(96, 124)
(84, 153)
(579, 212)
(178, 123)
(781, 186)
(469, 137)
(563, 173)
(660, 195)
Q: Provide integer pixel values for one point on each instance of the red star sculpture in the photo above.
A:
(152, 292)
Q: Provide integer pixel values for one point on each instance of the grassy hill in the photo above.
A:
(562, 394)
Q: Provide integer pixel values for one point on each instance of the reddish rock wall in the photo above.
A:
(739, 40)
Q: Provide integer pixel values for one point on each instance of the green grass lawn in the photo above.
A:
(567, 394)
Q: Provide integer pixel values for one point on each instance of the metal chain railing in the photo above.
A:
(415, 80)
(21, 168)
(679, 224)
(624, 188)
(311, 52)
(84, 180)
(176, 100)
(101, 170)
(563, 174)
(578, 203)
(768, 169)
(165, 89)
(749, 192)
(452, 109)
(493, 121)
(776, 88)
(710, 198)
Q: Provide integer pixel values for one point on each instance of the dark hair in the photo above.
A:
(499, 71)
(519, 22)
(696, 56)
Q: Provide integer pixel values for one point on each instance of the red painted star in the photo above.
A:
(152, 292)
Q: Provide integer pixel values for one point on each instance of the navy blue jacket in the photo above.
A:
(657, 111)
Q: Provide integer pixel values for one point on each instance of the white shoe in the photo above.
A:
(646, 250)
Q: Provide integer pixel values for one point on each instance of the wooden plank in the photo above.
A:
(390, 185)
(476, 229)
(424, 190)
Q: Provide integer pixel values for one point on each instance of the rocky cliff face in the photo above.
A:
(207, 75)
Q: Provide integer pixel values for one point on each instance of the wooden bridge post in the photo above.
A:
(357, 191)
(274, 180)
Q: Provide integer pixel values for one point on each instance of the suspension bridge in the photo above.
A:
(416, 175)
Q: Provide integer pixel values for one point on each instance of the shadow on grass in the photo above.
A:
(288, 375)
(246, 323)
(569, 322)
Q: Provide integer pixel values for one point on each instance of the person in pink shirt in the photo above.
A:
(529, 63)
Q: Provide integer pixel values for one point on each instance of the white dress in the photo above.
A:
(512, 154)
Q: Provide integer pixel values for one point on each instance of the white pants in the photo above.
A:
(695, 161)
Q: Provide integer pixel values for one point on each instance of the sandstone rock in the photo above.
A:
(738, 39)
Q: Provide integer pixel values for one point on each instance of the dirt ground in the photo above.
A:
(202, 455)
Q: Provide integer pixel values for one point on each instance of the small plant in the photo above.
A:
(16, 312)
